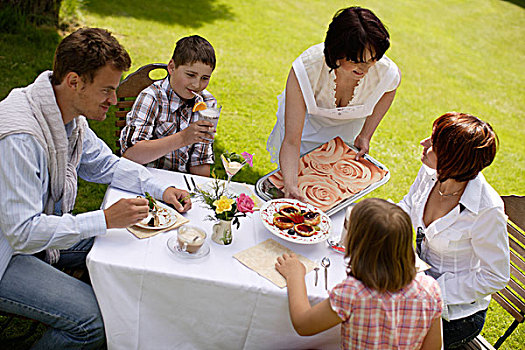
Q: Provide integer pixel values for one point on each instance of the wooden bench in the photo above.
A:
(478, 343)
(512, 297)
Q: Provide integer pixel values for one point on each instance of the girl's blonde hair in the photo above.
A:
(379, 245)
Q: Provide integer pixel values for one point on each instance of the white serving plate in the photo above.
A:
(270, 208)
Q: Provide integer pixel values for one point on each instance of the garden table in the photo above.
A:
(151, 299)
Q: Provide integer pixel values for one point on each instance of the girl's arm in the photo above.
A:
(362, 141)
(433, 338)
(295, 110)
(306, 320)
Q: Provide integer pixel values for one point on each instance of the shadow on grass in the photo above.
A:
(520, 3)
(247, 174)
(24, 55)
(20, 335)
(193, 14)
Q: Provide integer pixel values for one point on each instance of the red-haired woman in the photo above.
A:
(460, 222)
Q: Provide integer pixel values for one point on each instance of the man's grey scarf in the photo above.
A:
(33, 110)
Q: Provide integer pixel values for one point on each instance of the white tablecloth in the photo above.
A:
(151, 299)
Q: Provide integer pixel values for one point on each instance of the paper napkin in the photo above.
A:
(262, 258)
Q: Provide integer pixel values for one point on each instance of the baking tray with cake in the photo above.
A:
(329, 177)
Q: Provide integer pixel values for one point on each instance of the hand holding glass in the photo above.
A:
(211, 115)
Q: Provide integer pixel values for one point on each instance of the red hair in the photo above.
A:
(464, 145)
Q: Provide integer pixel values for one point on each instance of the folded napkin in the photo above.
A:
(262, 258)
(140, 232)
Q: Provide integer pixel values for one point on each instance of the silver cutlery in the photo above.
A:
(187, 183)
(316, 269)
(326, 264)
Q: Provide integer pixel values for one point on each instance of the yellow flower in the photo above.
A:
(223, 204)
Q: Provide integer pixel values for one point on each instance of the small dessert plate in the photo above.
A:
(174, 248)
(167, 217)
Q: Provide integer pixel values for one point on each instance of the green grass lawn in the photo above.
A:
(456, 55)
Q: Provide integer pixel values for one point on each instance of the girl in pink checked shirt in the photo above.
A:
(383, 303)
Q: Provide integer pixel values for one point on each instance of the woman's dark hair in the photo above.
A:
(353, 31)
(85, 51)
(464, 145)
(379, 245)
(191, 49)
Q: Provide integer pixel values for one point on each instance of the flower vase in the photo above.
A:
(222, 232)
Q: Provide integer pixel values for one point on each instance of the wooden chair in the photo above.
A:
(128, 91)
(512, 297)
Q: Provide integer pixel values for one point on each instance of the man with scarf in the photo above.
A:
(45, 144)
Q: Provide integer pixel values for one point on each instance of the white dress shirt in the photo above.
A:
(24, 188)
(468, 248)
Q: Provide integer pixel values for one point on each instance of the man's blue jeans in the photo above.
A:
(34, 289)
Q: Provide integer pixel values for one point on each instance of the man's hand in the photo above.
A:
(126, 212)
(179, 198)
(199, 131)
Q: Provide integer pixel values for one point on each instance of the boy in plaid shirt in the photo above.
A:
(383, 303)
(161, 130)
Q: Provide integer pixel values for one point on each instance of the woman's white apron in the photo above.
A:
(322, 124)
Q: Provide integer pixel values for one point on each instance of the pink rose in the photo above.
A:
(244, 203)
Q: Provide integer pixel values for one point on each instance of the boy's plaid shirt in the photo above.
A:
(158, 112)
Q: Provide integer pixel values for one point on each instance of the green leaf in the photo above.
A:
(152, 202)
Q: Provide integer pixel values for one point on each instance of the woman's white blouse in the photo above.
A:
(468, 250)
(323, 119)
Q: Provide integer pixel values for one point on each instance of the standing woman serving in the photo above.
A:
(460, 222)
(342, 87)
